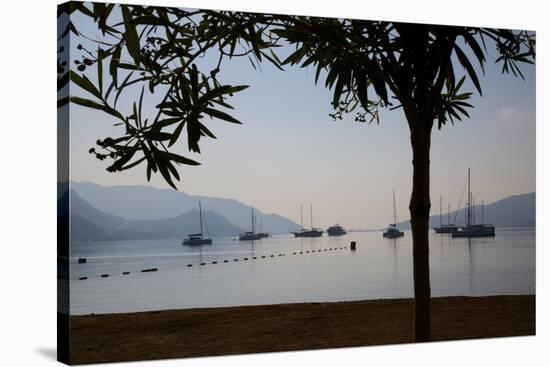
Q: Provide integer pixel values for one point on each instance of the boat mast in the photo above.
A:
(200, 215)
(440, 211)
(482, 212)
(469, 198)
(394, 211)
(252, 211)
(448, 213)
(473, 209)
(302, 216)
(311, 215)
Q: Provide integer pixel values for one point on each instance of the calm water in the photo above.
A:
(379, 268)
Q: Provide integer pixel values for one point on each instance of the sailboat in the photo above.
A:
(250, 235)
(445, 228)
(312, 232)
(262, 234)
(393, 229)
(472, 229)
(197, 238)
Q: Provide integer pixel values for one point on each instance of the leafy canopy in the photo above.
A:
(367, 64)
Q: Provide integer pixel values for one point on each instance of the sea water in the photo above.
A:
(288, 269)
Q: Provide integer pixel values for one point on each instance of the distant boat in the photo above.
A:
(472, 229)
(393, 229)
(262, 234)
(336, 230)
(197, 238)
(250, 235)
(312, 232)
(445, 228)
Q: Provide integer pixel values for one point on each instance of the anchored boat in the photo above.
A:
(250, 235)
(393, 229)
(312, 232)
(336, 230)
(445, 228)
(472, 229)
(197, 238)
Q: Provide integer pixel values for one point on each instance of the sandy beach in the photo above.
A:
(287, 327)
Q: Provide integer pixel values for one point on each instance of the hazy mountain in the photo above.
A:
(84, 230)
(148, 203)
(91, 224)
(181, 225)
(86, 211)
(512, 211)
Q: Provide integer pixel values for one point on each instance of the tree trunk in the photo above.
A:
(420, 214)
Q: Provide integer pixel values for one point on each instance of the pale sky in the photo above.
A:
(289, 152)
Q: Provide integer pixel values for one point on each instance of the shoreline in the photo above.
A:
(289, 327)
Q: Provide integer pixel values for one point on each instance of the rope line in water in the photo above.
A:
(214, 262)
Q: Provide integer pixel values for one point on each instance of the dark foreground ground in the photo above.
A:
(249, 329)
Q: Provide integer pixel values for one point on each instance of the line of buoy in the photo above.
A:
(148, 270)
(352, 247)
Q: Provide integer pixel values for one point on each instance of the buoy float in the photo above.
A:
(82, 260)
(83, 278)
(104, 275)
(352, 245)
(125, 272)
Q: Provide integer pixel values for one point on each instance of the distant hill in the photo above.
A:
(99, 218)
(149, 203)
(181, 225)
(512, 211)
(91, 224)
(84, 230)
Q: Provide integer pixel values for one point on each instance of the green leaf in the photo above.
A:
(463, 59)
(178, 158)
(221, 115)
(85, 83)
(97, 106)
(131, 36)
(176, 133)
(113, 65)
(132, 165)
